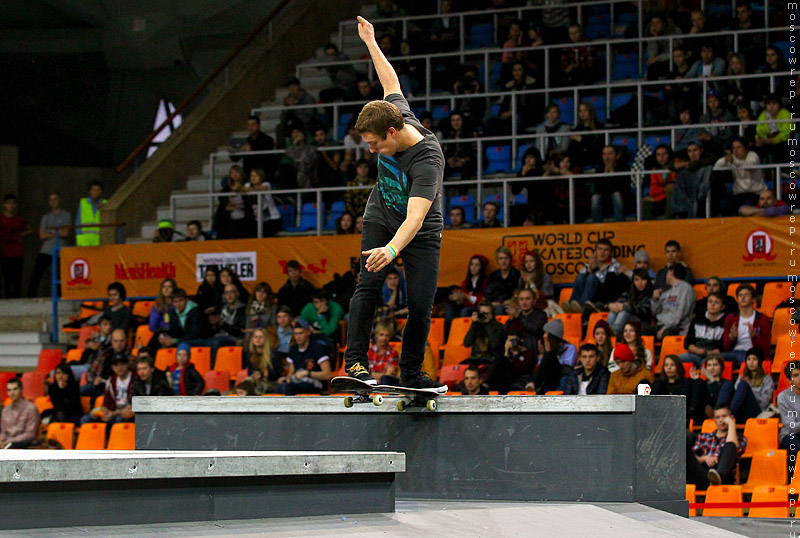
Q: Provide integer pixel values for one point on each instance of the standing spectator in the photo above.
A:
(677, 94)
(234, 218)
(705, 332)
(739, 91)
(751, 45)
(296, 292)
(775, 63)
(526, 322)
(610, 192)
(20, 419)
(356, 199)
(672, 308)
(630, 374)
(257, 140)
(753, 389)
(502, 282)
(771, 136)
(55, 223)
(150, 381)
(746, 328)
(310, 363)
(714, 139)
(445, 28)
(658, 49)
(672, 251)
(490, 212)
(585, 149)
(87, 235)
(384, 361)
(328, 172)
(591, 377)
(65, 396)
(534, 208)
(712, 458)
(598, 280)
(119, 313)
(662, 179)
(298, 118)
(460, 157)
(526, 104)
(304, 159)
(577, 59)
(411, 73)
(631, 336)
(747, 183)
(789, 406)
(485, 336)
(183, 377)
(634, 305)
(270, 216)
(12, 229)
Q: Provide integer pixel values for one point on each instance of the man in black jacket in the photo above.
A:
(525, 321)
(296, 293)
(188, 324)
(590, 377)
(150, 381)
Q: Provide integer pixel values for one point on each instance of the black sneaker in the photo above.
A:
(358, 371)
(421, 380)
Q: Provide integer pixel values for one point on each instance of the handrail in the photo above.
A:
(203, 85)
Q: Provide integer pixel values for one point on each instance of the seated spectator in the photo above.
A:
(234, 218)
(641, 260)
(296, 292)
(346, 224)
(246, 388)
(705, 332)
(471, 384)
(751, 45)
(691, 182)
(230, 323)
(585, 149)
(578, 61)
(19, 423)
(120, 315)
(714, 284)
(98, 344)
(677, 94)
(328, 172)
(558, 140)
(672, 381)
(771, 136)
(188, 324)
(261, 308)
(672, 251)
(118, 395)
(284, 330)
(485, 336)
(788, 406)
(598, 280)
(165, 232)
(341, 75)
(298, 118)
(514, 369)
(490, 212)
(356, 199)
(323, 315)
(672, 308)
(768, 206)
(753, 389)
(194, 231)
(715, 389)
(526, 321)
(662, 179)
(384, 361)
(184, 378)
(711, 457)
(591, 377)
(463, 301)
(502, 282)
(658, 49)
(473, 109)
(558, 191)
(227, 275)
(557, 359)
(747, 183)
(689, 134)
(610, 192)
(631, 336)
(531, 167)
(774, 63)
(270, 216)
(700, 25)
(514, 41)
(634, 304)
(65, 396)
(394, 292)
(264, 364)
(411, 73)
(209, 293)
(257, 140)
(602, 339)
(445, 29)
(310, 366)
(526, 104)
(629, 374)
(715, 139)
(534, 277)
(746, 328)
(355, 148)
(457, 219)
(709, 65)
(149, 381)
(100, 369)
(739, 91)
(304, 158)
(364, 91)
(460, 157)
(745, 115)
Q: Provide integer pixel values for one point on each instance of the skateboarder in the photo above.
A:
(403, 214)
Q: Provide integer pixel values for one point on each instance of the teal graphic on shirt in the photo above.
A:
(392, 184)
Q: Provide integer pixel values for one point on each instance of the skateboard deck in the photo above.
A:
(365, 393)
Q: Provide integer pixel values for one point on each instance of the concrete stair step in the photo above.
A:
(183, 214)
(220, 168)
(18, 362)
(22, 338)
(13, 350)
(197, 184)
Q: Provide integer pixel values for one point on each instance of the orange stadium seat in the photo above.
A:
(63, 432)
(708, 426)
(786, 344)
(761, 434)
(763, 494)
(32, 385)
(165, 357)
(218, 379)
(201, 358)
(594, 317)
(454, 349)
(230, 359)
(781, 323)
(436, 335)
(74, 355)
(768, 469)
(123, 436)
(700, 291)
(572, 325)
(691, 496)
(733, 285)
(670, 345)
(142, 308)
(240, 376)
(554, 393)
(723, 494)
(564, 295)
(452, 374)
(774, 294)
(85, 333)
(143, 336)
(86, 403)
(48, 360)
(650, 343)
(98, 402)
(521, 393)
(502, 319)
(92, 436)
(43, 403)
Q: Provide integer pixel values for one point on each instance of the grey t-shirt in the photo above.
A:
(415, 172)
(52, 220)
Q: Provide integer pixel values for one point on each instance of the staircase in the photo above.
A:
(313, 81)
(25, 326)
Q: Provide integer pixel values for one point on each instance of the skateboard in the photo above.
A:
(365, 393)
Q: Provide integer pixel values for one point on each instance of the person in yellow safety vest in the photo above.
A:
(89, 213)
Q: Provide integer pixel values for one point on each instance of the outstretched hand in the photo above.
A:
(365, 30)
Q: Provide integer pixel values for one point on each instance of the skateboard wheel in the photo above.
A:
(377, 399)
(431, 405)
(348, 401)
(401, 405)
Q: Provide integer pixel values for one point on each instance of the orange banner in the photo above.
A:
(732, 248)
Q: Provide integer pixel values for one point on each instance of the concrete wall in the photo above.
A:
(260, 70)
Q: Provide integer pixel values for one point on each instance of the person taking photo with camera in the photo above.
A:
(486, 336)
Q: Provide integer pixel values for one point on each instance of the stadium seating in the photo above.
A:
(201, 358)
(594, 317)
(122, 437)
(770, 493)
(572, 325)
(498, 159)
(670, 345)
(63, 432)
(218, 379)
(774, 294)
(48, 360)
(230, 359)
(308, 218)
(92, 436)
(32, 385)
(781, 323)
(165, 357)
(768, 469)
(143, 336)
(142, 308)
(452, 374)
(692, 498)
(723, 494)
(761, 434)
(467, 203)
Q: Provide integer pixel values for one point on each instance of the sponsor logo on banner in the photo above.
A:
(759, 246)
(242, 263)
(79, 273)
(317, 268)
(144, 271)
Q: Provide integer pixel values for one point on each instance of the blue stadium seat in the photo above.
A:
(494, 110)
(598, 26)
(338, 209)
(720, 10)
(498, 199)
(626, 66)
(521, 198)
(440, 112)
(498, 159)
(287, 215)
(600, 9)
(620, 99)
(599, 104)
(344, 119)
(481, 35)
(626, 142)
(656, 140)
(567, 107)
(308, 218)
(494, 75)
(784, 47)
(467, 202)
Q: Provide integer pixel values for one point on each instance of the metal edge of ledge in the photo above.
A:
(617, 403)
(57, 466)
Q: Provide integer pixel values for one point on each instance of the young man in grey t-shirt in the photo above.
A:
(55, 222)
(403, 214)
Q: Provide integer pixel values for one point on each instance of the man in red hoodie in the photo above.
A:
(183, 376)
(745, 329)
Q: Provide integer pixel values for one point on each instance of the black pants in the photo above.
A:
(12, 276)
(421, 265)
(40, 267)
(696, 472)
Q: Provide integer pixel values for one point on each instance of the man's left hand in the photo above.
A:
(377, 258)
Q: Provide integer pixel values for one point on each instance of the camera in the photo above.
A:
(483, 316)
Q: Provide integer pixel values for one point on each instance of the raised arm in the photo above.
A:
(385, 71)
